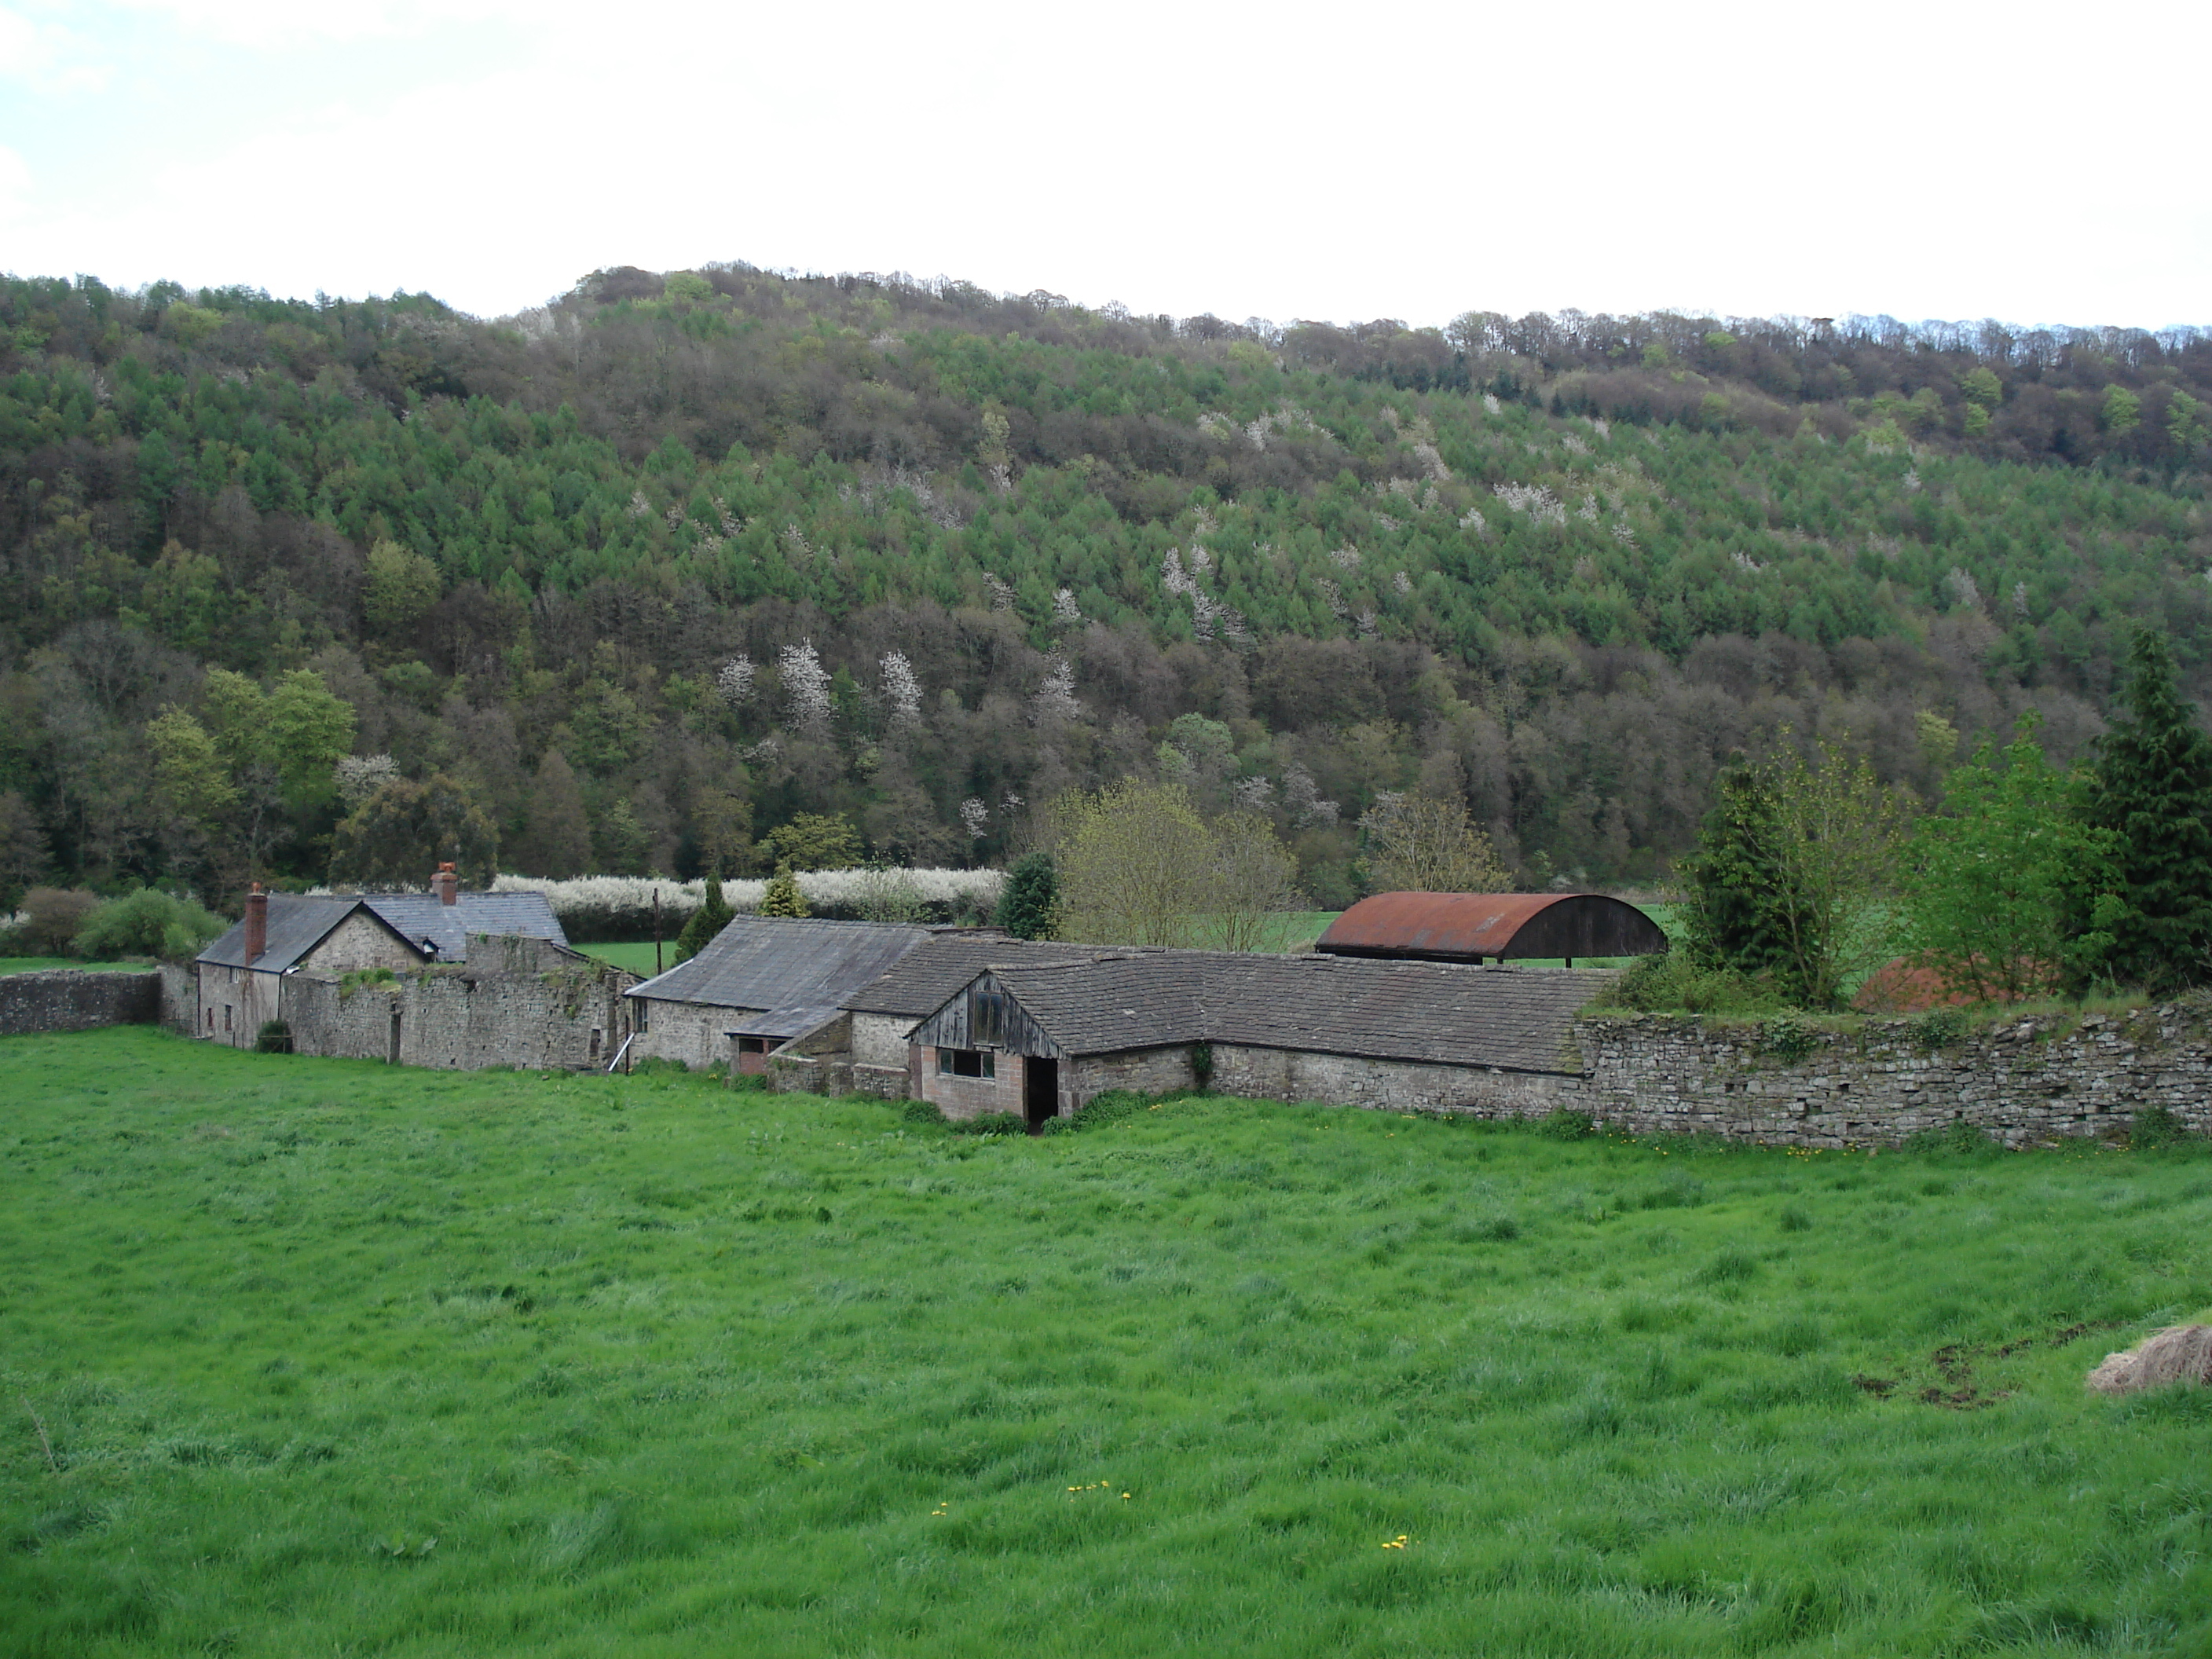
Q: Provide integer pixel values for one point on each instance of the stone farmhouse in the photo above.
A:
(444, 978)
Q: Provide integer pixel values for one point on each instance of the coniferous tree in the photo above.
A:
(708, 920)
(1031, 894)
(783, 898)
(1733, 893)
(2150, 788)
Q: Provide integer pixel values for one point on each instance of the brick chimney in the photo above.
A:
(257, 925)
(446, 885)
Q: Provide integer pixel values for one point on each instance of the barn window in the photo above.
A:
(986, 1017)
(752, 1045)
(967, 1062)
(644, 1013)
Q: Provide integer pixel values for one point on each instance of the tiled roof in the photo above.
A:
(422, 918)
(296, 926)
(923, 979)
(779, 962)
(1515, 1019)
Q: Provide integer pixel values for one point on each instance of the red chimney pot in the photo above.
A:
(447, 885)
(257, 925)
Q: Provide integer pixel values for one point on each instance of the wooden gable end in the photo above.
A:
(983, 1014)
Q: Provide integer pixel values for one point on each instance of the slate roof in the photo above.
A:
(296, 926)
(779, 962)
(421, 918)
(1443, 1013)
(782, 1024)
(920, 983)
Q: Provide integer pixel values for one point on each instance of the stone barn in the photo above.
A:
(1039, 1039)
(759, 982)
(1492, 928)
(240, 976)
(883, 1014)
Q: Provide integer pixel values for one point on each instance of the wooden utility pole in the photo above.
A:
(656, 932)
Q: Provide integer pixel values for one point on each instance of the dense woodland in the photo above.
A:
(660, 567)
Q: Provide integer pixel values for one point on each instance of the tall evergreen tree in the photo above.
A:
(1031, 895)
(2151, 789)
(1733, 893)
(708, 920)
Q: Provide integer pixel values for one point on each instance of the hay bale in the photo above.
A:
(2179, 1353)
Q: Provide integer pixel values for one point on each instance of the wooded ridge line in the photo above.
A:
(628, 581)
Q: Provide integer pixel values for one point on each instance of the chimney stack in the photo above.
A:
(257, 925)
(447, 884)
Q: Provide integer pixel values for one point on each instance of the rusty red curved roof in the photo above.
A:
(1460, 926)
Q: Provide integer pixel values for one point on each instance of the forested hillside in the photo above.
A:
(657, 567)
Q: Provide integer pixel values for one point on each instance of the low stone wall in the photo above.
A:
(67, 999)
(2032, 1079)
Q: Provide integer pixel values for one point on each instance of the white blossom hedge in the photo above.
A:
(621, 906)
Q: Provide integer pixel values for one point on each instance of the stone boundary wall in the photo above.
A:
(70, 999)
(2034, 1078)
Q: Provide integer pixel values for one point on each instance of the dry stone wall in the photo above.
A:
(2031, 1079)
(68, 999)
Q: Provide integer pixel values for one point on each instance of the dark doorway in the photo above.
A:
(1040, 1090)
(395, 1036)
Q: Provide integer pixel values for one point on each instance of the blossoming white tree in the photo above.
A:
(901, 690)
(806, 685)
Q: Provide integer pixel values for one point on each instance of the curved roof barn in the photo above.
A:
(1470, 926)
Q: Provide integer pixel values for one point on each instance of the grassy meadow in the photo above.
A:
(315, 1357)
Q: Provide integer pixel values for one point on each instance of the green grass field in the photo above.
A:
(311, 1356)
(634, 955)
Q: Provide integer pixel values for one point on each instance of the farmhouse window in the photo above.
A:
(644, 1013)
(967, 1062)
(986, 1017)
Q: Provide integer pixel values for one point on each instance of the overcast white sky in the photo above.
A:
(1925, 158)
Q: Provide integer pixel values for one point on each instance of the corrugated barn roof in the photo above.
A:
(1468, 926)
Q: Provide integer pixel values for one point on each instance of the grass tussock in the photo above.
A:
(310, 1356)
(2179, 1353)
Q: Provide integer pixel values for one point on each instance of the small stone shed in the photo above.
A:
(241, 976)
(1039, 1039)
(1493, 928)
(759, 982)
